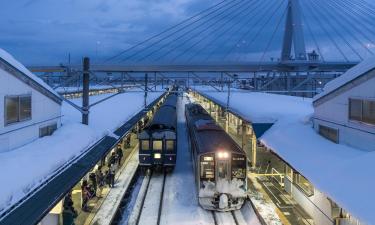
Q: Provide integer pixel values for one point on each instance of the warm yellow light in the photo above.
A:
(223, 155)
(157, 156)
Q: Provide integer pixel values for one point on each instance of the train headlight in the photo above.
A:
(223, 155)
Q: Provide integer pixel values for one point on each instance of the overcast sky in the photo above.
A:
(46, 31)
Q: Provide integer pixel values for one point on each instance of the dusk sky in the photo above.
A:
(45, 32)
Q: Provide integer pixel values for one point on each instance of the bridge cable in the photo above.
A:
(229, 37)
(234, 15)
(262, 28)
(187, 32)
(359, 11)
(273, 36)
(338, 22)
(337, 32)
(304, 18)
(349, 8)
(250, 31)
(169, 29)
(311, 10)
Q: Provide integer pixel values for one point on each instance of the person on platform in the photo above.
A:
(119, 155)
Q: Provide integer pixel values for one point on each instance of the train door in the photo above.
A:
(222, 170)
(157, 148)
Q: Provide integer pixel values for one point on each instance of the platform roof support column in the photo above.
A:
(146, 87)
(85, 90)
(253, 150)
(293, 33)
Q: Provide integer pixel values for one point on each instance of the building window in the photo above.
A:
(17, 109)
(329, 133)
(362, 110)
(145, 145)
(304, 185)
(47, 130)
(157, 145)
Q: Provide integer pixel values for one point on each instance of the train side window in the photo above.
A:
(157, 145)
(170, 145)
(145, 145)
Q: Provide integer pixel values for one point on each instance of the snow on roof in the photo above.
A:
(353, 73)
(258, 107)
(12, 61)
(341, 172)
(43, 156)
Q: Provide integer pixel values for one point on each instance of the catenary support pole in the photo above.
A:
(146, 89)
(85, 90)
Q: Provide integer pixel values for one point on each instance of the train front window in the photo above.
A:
(145, 145)
(207, 169)
(238, 166)
(222, 169)
(170, 145)
(157, 145)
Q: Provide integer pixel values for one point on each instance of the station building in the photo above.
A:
(30, 109)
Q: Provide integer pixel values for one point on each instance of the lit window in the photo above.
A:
(329, 133)
(304, 184)
(17, 109)
(157, 145)
(170, 145)
(145, 145)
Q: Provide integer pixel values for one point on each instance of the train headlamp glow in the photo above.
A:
(157, 156)
(223, 155)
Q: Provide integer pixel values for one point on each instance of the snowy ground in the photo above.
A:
(42, 157)
(293, 138)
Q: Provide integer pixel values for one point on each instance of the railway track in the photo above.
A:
(149, 204)
(235, 217)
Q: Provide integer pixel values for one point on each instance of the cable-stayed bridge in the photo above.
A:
(294, 42)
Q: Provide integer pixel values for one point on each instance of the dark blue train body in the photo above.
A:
(158, 141)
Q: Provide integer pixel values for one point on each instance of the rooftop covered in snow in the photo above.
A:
(17, 69)
(341, 172)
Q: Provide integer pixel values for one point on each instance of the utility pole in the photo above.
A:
(227, 109)
(146, 84)
(85, 90)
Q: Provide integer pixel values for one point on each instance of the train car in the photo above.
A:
(158, 141)
(219, 163)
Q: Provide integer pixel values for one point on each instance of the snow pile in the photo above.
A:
(234, 188)
(42, 157)
(362, 68)
(9, 58)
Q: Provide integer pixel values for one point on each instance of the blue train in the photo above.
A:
(158, 141)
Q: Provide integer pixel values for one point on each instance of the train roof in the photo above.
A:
(165, 117)
(210, 136)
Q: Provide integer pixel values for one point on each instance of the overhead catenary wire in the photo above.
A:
(218, 28)
(185, 33)
(327, 21)
(167, 30)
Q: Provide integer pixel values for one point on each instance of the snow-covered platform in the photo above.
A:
(339, 171)
(52, 165)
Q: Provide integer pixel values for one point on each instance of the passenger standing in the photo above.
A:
(119, 155)
(85, 194)
(100, 180)
(112, 159)
(94, 182)
(112, 173)
(69, 214)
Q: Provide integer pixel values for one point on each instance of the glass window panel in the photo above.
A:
(157, 145)
(369, 112)
(355, 109)
(304, 184)
(329, 133)
(11, 110)
(170, 144)
(25, 108)
(145, 145)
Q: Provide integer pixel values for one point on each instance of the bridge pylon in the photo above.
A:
(293, 33)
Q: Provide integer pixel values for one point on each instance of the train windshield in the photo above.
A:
(145, 145)
(222, 169)
(207, 170)
(170, 145)
(157, 145)
(238, 166)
